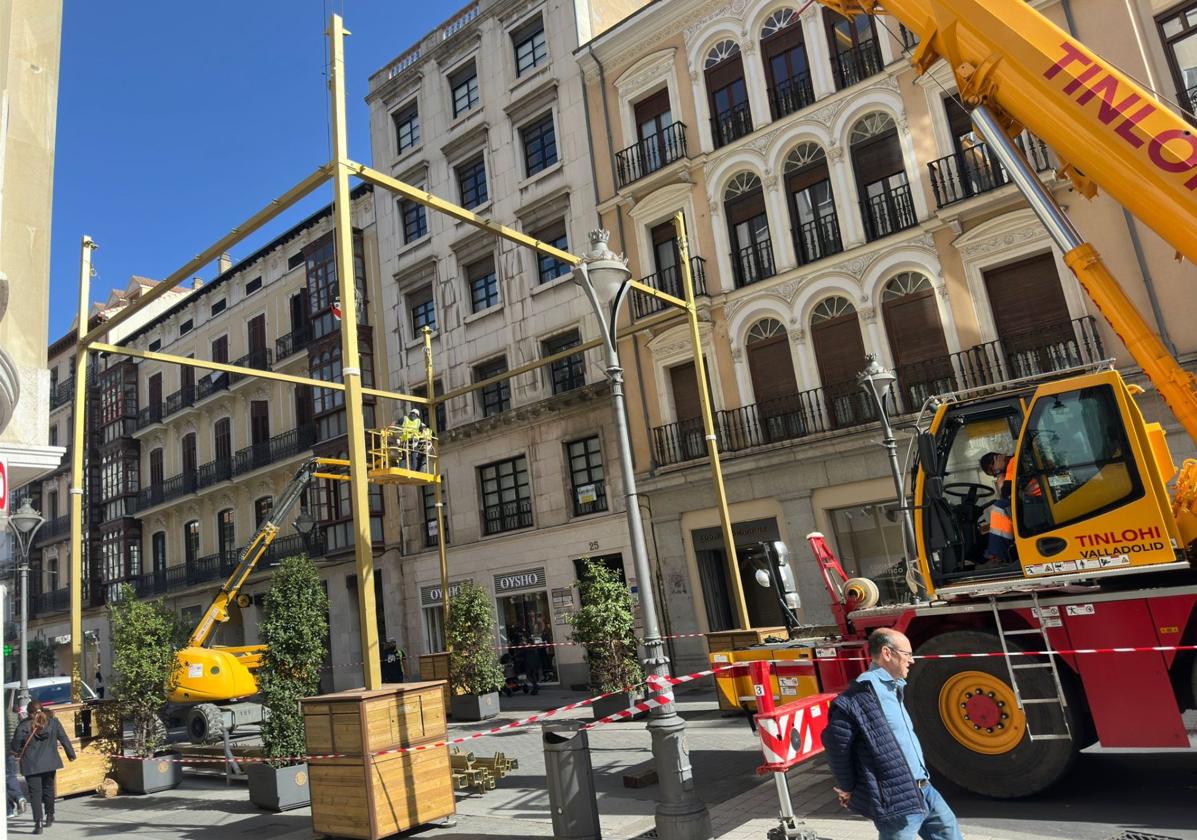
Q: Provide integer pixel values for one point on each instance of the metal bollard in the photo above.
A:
(570, 781)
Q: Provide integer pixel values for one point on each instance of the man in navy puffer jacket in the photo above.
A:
(876, 757)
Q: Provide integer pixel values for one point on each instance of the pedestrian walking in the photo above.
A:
(35, 744)
(875, 754)
(14, 791)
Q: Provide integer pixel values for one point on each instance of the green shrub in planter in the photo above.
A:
(146, 636)
(474, 668)
(294, 629)
(604, 626)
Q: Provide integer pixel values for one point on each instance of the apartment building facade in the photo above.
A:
(487, 111)
(838, 205)
(184, 465)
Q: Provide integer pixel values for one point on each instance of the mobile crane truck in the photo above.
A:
(1103, 556)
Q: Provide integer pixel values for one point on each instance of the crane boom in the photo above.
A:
(1017, 70)
(218, 610)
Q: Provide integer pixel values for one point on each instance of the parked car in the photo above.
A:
(49, 690)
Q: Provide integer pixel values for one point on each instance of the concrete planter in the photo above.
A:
(147, 775)
(617, 703)
(279, 789)
(474, 706)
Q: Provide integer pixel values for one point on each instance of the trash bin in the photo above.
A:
(570, 780)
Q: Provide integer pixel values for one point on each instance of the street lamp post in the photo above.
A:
(24, 524)
(681, 815)
(877, 382)
(305, 524)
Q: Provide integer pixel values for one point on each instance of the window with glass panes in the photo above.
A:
(506, 496)
(407, 127)
(415, 220)
(263, 507)
(422, 391)
(494, 398)
(423, 310)
(429, 499)
(322, 285)
(464, 84)
(484, 285)
(191, 541)
(531, 48)
(568, 373)
(550, 268)
(471, 182)
(158, 550)
(1178, 31)
(540, 145)
(225, 533)
(586, 475)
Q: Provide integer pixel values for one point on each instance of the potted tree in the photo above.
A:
(146, 636)
(604, 626)
(475, 675)
(293, 629)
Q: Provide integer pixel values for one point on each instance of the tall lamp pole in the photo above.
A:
(877, 382)
(681, 815)
(24, 524)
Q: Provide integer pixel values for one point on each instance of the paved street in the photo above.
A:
(1107, 794)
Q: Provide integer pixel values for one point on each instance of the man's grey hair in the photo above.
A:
(879, 638)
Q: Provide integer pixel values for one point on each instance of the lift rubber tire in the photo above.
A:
(999, 763)
(205, 724)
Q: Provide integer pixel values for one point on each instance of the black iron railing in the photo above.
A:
(214, 567)
(56, 600)
(62, 393)
(976, 171)
(818, 238)
(216, 381)
(790, 95)
(150, 415)
(508, 516)
(293, 342)
(857, 64)
(888, 212)
(169, 490)
(260, 359)
(650, 154)
(179, 400)
(216, 470)
(909, 39)
(731, 125)
(753, 263)
(1053, 347)
(595, 495)
(53, 529)
(1191, 99)
(277, 448)
(669, 280)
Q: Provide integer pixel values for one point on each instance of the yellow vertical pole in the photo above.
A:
(351, 364)
(436, 487)
(77, 445)
(708, 424)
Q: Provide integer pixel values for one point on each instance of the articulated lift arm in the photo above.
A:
(1019, 70)
(218, 611)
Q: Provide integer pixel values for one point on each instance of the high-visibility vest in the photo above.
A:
(1032, 488)
(410, 428)
(425, 433)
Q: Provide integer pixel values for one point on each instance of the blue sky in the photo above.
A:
(177, 120)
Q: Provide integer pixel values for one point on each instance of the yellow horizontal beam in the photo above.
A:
(222, 245)
(460, 213)
(206, 364)
(331, 476)
(658, 294)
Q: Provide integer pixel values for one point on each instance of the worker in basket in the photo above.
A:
(1001, 523)
(414, 440)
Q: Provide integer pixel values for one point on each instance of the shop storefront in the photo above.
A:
(431, 600)
(524, 618)
(713, 574)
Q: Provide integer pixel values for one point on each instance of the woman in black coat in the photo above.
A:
(35, 744)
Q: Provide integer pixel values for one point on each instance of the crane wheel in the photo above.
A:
(205, 724)
(972, 731)
(861, 592)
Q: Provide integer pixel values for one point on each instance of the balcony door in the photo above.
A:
(787, 71)
(774, 386)
(748, 229)
(916, 338)
(731, 117)
(683, 383)
(667, 259)
(189, 461)
(154, 400)
(854, 51)
(977, 171)
(886, 203)
(1031, 317)
(653, 119)
(1178, 31)
(812, 204)
(257, 341)
(840, 356)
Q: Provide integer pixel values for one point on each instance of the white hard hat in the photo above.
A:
(414, 411)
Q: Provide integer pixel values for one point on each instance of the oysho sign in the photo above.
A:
(526, 579)
(430, 596)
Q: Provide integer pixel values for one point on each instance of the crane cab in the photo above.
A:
(1086, 495)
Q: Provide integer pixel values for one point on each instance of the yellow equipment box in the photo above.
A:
(735, 693)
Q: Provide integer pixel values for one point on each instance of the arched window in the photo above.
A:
(787, 71)
(916, 338)
(191, 542)
(887, 206)
(222, 439)
(748, 229)
(854, 52)
(226, 535)
(774, 387)
(812, 204)
(840, 355)
(731, 118)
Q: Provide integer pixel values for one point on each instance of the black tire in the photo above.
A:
(1025, 769)
(205, 724)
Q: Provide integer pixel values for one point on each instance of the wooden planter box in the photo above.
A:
(435, 666)
(95, 733)
(370, 796)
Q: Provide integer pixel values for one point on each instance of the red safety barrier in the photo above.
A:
(792, 732)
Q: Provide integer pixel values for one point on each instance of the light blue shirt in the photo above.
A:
(888, 691)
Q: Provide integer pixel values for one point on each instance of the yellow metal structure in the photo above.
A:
(981, 712)
(398, 459)
(736, 693)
